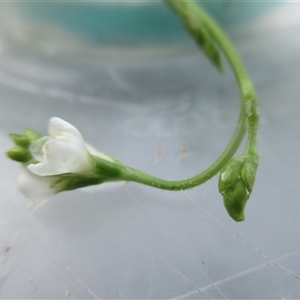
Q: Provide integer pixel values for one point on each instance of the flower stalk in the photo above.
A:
(63, 161)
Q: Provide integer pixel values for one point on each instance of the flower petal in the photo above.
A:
(36, 148)
(67, 154)
(38, 189)
(57, 126)
(42, 169)
(63, 154)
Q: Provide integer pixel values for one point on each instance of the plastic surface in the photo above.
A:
(167, 111)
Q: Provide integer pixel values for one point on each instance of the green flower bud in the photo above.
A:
(248, 171)
(235, 199)
(193, 22)
(20, 140)
(230, 173)
(19, 154)
(236, 182)
(32, 135)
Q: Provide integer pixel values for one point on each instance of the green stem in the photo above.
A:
(188, 11)
(247, 91)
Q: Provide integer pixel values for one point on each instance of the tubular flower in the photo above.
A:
(55, 163)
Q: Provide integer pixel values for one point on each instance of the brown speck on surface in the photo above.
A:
(6, 249)
(183, 150)
(158, 155)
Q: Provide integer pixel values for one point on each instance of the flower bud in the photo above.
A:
(235, 199)
(19, 154)
(20, 140)
(248, 171)
(32, 135)
(230, 173)
(236, 182)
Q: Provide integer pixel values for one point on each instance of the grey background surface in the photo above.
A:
(167, 111)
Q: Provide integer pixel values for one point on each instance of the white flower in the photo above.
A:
(63, 151)
(64, 162)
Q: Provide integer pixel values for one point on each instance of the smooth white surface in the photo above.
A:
(168, 112)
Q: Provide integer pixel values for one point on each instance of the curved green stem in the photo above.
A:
(191, 14)
(247, 91)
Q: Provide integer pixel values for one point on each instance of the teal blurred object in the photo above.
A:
(133, 22)
(233, 13)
